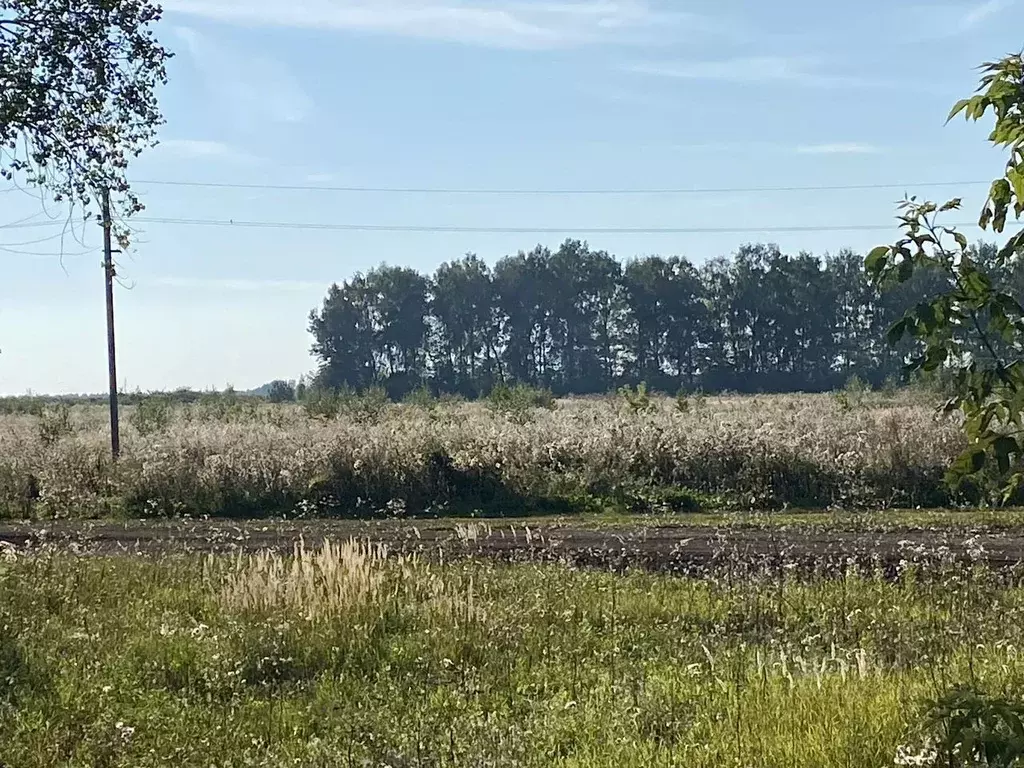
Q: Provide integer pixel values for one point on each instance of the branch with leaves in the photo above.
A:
(974, 326)
(78, 85)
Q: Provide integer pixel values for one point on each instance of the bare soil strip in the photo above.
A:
(679, 549)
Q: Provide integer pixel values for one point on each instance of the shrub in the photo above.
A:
(516, 403)
(321, 403)
(685, 402)
(152, 415)
(421, 397)
(969, 728)
(636, 400)
(366, 406)
(280, 392)
(55, 423)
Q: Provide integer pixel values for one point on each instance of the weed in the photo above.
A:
(517, 403)
(152, 415)
(55, 423)
(637, 400)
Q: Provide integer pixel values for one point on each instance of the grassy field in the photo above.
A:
(346, 657)
(371, 458)
(339, 657)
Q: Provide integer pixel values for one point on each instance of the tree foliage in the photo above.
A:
(78, 84)
(972, 323)
(280, 391)
(576, 320)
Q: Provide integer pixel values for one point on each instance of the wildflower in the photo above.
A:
(926, 755)
(124, 731)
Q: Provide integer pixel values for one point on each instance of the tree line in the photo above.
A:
(578, 321)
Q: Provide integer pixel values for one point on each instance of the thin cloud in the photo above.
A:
(753, 69)
(980, 13)
(524, 25)
(838, 148)
(241, 285)
(253, 85)
(942, 21)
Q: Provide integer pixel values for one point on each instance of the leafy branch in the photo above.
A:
(973, 327)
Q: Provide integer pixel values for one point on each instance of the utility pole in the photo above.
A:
(108, 268)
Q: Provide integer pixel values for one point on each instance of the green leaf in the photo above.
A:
(977, 285)
(1014, 246)
(986, 217)
(935, 358)
(1003, 447)
(951, 205)
(959, 107)
(905, 270)
(970, 462)
(1015, 176)
(877, 259)
(897, 330)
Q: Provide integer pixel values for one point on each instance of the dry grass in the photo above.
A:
(812, 450)
(328, 583)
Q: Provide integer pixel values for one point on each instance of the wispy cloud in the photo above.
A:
(252, 85)
(752, 69)
(243, 285)
(979, 13)
(187, 149)
(923, 23)
(525, 24)
(838, 148)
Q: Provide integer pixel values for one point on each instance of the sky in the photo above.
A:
(570, 95)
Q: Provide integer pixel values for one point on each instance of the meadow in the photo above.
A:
(344, 657)
(364, 457)
(348, 654)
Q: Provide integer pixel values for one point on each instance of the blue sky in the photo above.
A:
(524, 94)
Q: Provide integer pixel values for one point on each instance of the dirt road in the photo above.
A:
(673, 548)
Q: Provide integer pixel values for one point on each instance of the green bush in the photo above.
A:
(637, 400)
(366, 406)
(421, 397)
(281, 392)
(321, 403)
(55, 423)
(152, 415)
(517, 403)
(687, 401)
(968, 727)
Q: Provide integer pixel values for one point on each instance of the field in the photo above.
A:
(339, 657)
(247, 459)
(256, 585)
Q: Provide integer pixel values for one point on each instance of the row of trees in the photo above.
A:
(579, 321)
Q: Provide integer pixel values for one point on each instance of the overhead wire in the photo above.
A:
(441, 229)
(539, 192)
(312, 226)
(415, 228)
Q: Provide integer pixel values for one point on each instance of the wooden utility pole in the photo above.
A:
(108, 269)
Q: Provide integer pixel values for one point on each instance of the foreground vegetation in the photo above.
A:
(340, 657)
(516, 454)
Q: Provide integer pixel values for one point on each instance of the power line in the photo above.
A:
(460, 191)
(525, 230)
(55, 254)
(46, 239)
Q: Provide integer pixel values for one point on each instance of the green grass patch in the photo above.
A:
(343, 658)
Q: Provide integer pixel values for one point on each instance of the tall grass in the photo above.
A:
(341, 657)
(251, 459)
